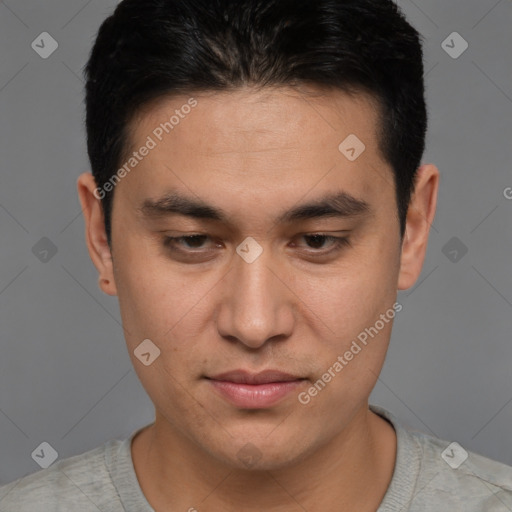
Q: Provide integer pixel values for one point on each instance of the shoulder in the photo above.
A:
(450, 473)
(80, 483)
(434, 474)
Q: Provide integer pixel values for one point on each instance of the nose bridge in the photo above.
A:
(253, 282)
(256, 306)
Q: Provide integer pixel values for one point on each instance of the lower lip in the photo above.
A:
(255, 396)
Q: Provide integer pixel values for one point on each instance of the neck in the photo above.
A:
(351, 471)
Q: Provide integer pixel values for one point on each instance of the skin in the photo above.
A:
(256, 154)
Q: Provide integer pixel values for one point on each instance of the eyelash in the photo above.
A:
(338, 243)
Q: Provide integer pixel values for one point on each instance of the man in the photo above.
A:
(256, 201)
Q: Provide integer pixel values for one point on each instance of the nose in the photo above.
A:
(257, 306)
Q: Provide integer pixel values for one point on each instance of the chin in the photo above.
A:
(265, 455)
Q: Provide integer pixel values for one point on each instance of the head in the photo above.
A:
(271, 131)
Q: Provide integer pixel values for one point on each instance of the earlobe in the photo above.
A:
(420, 216)
(106, 286)
(95, 233)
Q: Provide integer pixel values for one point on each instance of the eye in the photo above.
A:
(193, 241)
(318, 239)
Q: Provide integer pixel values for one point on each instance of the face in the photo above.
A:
(265, 282)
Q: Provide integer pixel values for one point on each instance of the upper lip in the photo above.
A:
(264, 377)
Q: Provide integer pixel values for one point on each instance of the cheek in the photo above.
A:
(345, 309)
(352, 295)
(162, 303)
(158, 306)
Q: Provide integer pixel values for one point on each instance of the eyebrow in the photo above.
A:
(338, 205)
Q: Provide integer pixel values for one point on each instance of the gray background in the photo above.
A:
(65, 374)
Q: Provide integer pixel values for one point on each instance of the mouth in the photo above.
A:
(255, 390)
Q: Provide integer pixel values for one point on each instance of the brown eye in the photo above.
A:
(317, 241)
(191, 241)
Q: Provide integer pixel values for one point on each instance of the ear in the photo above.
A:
(420, 216)
(95, 233)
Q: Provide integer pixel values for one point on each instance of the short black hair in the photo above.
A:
(149, 49)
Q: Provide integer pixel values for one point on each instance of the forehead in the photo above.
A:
(271, 141)
(257, 116)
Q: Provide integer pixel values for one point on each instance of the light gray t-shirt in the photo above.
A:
(430, 475)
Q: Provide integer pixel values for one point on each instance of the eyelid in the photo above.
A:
(337, 244)
(167, 240)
